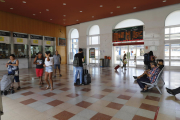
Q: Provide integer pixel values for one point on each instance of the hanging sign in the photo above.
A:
(36, 40)
(36, 37)
(5, 37)
(19, 40)
(48, 42)
(49, 38)
(92, 53)
(128, 34)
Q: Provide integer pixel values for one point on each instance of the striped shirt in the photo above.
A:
(154, 73)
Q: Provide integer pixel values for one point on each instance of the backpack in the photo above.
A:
(76, 62)
(146, 58)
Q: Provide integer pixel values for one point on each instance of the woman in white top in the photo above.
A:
(48, 69)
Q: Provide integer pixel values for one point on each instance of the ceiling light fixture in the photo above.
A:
(64, 19)
(92, 16)
(24, 1)
(101, 5)
(164, 0)
(118, 6)
(134, 7)
(64, 23)
(77, 20)
(2, 0)
(47, 9)
(80, 11)
(64, 15)
(111, 12)
(50, 19)
(39, 12)
(11, 8)
(34, 14)
(64, 3)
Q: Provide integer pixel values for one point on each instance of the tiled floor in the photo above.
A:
(110, 96)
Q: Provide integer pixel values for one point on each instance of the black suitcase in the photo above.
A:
(78, 81)
(87, 79)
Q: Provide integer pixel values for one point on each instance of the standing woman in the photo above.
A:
(13, 69)
(49, 69)
(124, 61)
(39, 61)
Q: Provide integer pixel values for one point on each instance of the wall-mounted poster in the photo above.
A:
(128, 34)
(92, 53)
(62, 42)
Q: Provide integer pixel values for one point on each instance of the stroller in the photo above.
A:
(5, 84)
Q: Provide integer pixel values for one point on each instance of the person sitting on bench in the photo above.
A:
(151, 77)
(160, 66)
(173, 91)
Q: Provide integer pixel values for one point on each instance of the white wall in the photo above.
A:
(154, 22)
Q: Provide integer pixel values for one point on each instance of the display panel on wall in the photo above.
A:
(20, 38)
(36, 40)
(49, 41)
(5, 37)
(128, 34)
(61, 41)
(92, 53)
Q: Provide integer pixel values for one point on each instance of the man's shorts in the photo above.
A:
(49, 69)
(39, 72)
(57, 66)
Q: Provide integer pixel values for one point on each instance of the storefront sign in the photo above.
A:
(36, 37)
(3, 33)
(20, 35)
(61, 41)
(128, 34)
(49, 38)
(19, 40)
(1, 39)
(92, 53)
(35, 41)
(48, 42)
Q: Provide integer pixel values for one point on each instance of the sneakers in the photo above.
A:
(135, 77)
(170, 91)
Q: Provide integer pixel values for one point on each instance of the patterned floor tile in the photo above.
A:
(145, 113)
(49, 94)
(29, 101)
(149, 107)
(72, 95)
(55, 103)
(84, 104)
(152, 98)
(124, 97)
(65, 89)
(88, 114)
(108, 90)
(64, 115)
(115, 106)
(100, 116)
(27, 93)
(136, 117)
(75, 109)
(98, 96)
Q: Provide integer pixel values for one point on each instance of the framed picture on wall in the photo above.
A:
(61, 41)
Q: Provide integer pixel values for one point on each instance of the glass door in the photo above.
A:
(73, 49)
(132, 54)
(96, 59)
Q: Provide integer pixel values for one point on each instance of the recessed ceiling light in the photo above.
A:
(64, 19)
(92, 16)
(47, 9)
(2, 0)
(77, 20)
(24, 1)
(50, 19)
(64, 23)
(64, 3)
(164, 0)
(111, 12)
(118, 6)
(39, 12)
(134, 7)
(80, 11)
(34, 14)
(64, 15)
(101, 5)
(11, 8)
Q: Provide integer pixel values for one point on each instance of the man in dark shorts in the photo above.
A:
(57, 62)
(79, 69)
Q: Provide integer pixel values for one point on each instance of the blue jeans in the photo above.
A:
(80, 71)
(142, 79)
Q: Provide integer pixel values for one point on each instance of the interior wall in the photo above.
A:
(16, 23)
(154, 25)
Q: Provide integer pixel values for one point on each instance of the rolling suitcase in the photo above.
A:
(117, 67)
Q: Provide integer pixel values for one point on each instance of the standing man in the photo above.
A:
(79, 69)
(57, 62)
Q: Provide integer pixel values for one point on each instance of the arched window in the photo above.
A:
(94, 38)
(74, 38)
(93, 41)
(134, 52)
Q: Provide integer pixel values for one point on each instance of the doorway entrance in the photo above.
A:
(135, 55)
